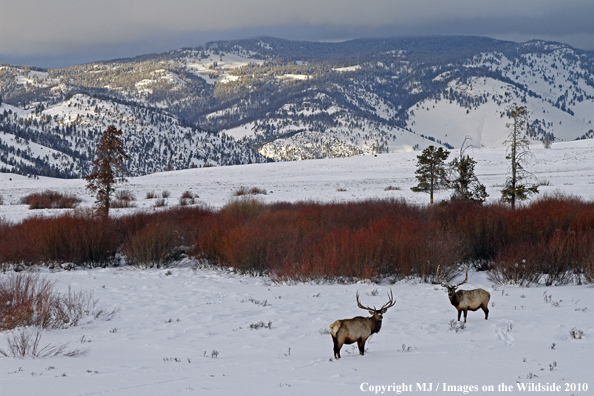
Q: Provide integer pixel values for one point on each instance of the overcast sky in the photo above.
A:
(60, 33)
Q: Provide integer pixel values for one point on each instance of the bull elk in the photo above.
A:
(359, 328)
(465, 300)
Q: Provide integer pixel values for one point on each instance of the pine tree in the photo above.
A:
(463, 180)
(108, 164)
(518, 152)
(546, 141)
(431, 172)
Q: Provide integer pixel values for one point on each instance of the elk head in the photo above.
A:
(451, 288)
(378, 313)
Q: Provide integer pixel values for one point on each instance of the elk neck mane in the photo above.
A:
(455, 298)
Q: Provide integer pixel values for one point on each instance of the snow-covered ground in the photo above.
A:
(568, 167)
(196, 330)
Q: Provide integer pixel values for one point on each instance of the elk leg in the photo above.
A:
(336, 348)
(361, 344)
(465, 314)
(486, 310)
(459, 313)
(337, 354)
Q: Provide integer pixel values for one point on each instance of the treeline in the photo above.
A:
(549, 241)
(25, 162)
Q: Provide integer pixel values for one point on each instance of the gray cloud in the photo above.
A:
(62, 32)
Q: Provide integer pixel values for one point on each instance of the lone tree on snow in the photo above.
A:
(108, 164)
(518, 152)
(463, 180)
(431, 172)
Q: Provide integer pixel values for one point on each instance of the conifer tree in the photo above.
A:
(107, 166)
(431, 172)
(547, 141)
(517, 153)
(465, 183)
(463, 180)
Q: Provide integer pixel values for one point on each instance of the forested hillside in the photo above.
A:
(251, 100)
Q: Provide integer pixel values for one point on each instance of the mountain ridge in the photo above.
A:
(274, 99)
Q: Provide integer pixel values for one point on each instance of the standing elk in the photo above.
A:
(465, 300)
(359, 328)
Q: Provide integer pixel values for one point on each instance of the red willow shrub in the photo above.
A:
(249, 237)
(517, 264)
(479, 228)
(31, 300)
(563, 258)
(387, 248)
(152, 246)
(26, 300)
(368, 239)
(78, 237)
(49, 199)
(550, 240)
(154, 239)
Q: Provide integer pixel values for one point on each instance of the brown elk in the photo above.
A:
(465, 300)
(359, 328)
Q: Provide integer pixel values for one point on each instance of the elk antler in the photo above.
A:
(448, 286)
(362, 306)
(439, 278)
(384, 308)
(465, 280)
(389, 304)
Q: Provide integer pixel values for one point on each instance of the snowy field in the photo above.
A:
(173, 322)
(194, 330)
(567, 168)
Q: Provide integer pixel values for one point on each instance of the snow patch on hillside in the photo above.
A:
(213, 67)
(347, 69)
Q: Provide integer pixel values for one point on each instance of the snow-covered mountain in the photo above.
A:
(59, 140)
(292, 100)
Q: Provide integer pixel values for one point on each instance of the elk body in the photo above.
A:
(465, 300)
(359, 328)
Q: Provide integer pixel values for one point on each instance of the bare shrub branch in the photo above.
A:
(30, 300)
(26, 342)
